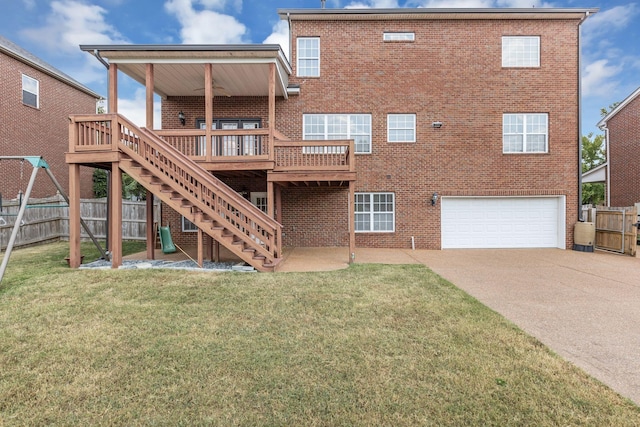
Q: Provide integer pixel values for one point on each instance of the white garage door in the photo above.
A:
(503, 222)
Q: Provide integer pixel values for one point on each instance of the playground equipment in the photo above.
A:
(166, 242)
(38, 163)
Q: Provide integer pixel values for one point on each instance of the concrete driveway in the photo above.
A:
(584, 306)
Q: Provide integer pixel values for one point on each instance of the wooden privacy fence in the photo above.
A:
(47, 220)
(616, 228)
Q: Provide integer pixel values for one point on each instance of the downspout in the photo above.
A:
(606, 147)
(96, 53)
(580, 114)
(290, 37)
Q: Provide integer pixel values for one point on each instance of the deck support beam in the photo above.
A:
(115, 222)
(208, 110)
(352, 231)
(150, 235)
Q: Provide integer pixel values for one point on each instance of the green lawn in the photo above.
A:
(370, 345)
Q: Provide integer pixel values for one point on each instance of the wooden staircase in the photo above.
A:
(200, 197)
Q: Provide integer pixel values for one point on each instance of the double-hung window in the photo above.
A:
(401, 128)
(30, 91)
(188, 226)
(520, 51)
(525, 133)
(308, 55)
(339, 126)
(375, 212)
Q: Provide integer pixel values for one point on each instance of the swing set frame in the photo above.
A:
(38, 163)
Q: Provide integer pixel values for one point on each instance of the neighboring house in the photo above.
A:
(622, 136)
(35, 103)
(425, 128)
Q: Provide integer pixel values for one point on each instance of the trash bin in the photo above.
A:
(584, 236)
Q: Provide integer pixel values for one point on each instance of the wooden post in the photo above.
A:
(278, 203)
(113, 88)
(115, 222)
(151, 238)
(149, 85)
(352, 222)
(270, 199)
(200, 248)
(217, 250)
(150, 235)
(272, 108)
(74, 215)
(208, 109)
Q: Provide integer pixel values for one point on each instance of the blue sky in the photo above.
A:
(52, 30)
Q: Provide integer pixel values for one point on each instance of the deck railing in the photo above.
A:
(333, 155)
(93, 132)
(223, 143)
(208, 194)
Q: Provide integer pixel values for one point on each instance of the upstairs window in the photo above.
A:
(30, 91)
(393, 37)
(520, 51)
(339, 126)
(308, 56)
(401, 128)
(525, 133)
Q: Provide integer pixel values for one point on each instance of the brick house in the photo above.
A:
(397, 128)
(622, 135)
(35, 103)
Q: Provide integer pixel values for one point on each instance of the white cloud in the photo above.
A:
(523, 3)
(205, 26)
(280, 35)
(134, 109)
(376, 4)
(29, 4)
(597, 78)
(72, 23)
(454, 3)
(612, 19)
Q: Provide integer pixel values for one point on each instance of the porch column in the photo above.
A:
(270, 199)
(200, 248)
(149, 113)
(352, 222)
(278, 204)
(208, 109)
(113, 88)
(74, 215)
(115, 232)
(272, 108)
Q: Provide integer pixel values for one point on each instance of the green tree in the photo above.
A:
(130, 187)
(593, 155)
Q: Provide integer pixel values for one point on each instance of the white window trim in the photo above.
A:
(524, 134)
(389, 129)
(189, 229)
(349, 136)
(371, 213)
(507, 65)
(400, 36)
(37, 92)
(298, 58)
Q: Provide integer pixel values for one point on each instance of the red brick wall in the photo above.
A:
(452, 73)
(624, 156)
(27, 131)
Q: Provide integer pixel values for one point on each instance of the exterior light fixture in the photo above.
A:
(436, 125)
(434, 199)
(181, 117)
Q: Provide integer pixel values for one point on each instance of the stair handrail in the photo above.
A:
(256, 215)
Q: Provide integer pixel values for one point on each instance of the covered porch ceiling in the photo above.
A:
(238, 70)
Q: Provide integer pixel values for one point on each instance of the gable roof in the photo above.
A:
(15, 51)
(618, 108)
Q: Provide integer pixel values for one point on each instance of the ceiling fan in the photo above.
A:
(220, 89)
